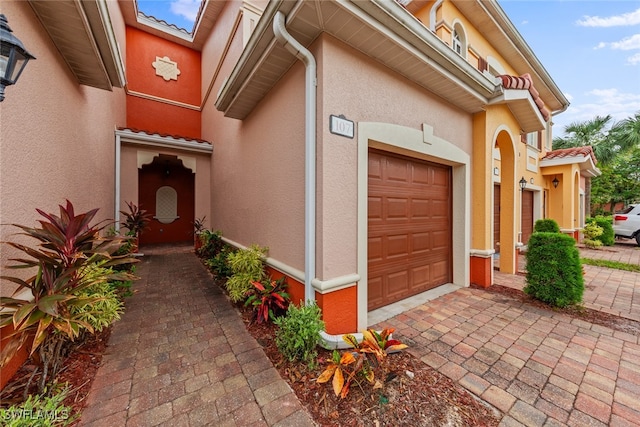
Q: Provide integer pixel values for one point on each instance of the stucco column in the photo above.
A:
(481, 253)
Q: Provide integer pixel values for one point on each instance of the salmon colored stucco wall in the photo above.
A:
(56, 138)
(153, 115)
(56, 141)
(375, 94)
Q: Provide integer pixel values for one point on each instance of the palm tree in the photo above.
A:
(606, 142)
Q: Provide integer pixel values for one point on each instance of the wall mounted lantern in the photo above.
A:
(496, 171)
(13, 56)
(523, 183)
(555, 182)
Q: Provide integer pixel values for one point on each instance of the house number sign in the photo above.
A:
(339, 125)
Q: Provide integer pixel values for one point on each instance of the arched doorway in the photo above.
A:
(505, 201)
(166, 191)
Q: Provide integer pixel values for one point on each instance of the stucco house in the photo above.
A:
(379, 148)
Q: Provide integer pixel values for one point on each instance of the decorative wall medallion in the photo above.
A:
(166, 68)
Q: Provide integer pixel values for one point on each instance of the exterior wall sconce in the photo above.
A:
(531, 181)
(496, 171)
(523, 183)
(555, 182)
(13, 56)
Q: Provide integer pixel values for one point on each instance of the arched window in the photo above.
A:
(459, 40)
(166, 205)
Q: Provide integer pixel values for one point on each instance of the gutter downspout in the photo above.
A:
(116, 203)
(304, 55)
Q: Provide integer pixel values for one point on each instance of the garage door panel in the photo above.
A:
(375, 249)
(375, 209)
(397, 208)
(397, 246)
(421, 242)
(409, 227)
(420, 209)
(396, 170)
(440, 272)
(397, 284)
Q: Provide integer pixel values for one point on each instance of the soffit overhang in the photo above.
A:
(523, 108)
(82, 33)
(586, 164)
(382, 30)
(499, 31)
(207, 17)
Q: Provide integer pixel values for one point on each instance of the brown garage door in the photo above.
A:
(409, 220)
(527, 215)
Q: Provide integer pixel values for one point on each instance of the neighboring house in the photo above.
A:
(389, 168)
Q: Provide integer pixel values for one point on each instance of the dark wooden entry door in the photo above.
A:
(409, 227)
(527, 215)
(167, 171)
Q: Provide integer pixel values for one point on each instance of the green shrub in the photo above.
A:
(104, 306)
(546, 225)
(219, 264)
(212, 244)
(247, 265)
(554, 271)
(592, 233)
(606, 223)
(39, 411)
(298, 333)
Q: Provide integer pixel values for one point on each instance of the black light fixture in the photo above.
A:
(555, 182)
(13, 56)
(523, 183)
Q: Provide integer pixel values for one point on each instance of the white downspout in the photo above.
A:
(116, 217)
(303, 54)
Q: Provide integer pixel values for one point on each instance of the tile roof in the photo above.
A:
(572, 152)
(525, 82)
(163, 22)
(166, 135)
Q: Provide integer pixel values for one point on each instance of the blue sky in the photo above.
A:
(591, 49)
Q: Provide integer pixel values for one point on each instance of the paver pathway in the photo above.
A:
(537, 366)
(181, 356)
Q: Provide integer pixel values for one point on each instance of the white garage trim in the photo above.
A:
(419, 144)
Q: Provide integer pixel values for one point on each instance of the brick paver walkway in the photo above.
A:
(181, 356)
(538, 367)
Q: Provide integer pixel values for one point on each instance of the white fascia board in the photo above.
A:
(141, 138)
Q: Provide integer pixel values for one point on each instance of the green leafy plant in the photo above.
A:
(211, 244)
(366, 357)
(105, 306)
(40, 411)
(554, 271)
(546, 225)
(592, 231)
(298, 333)
(247, 266)
(135, 219)
(198, 224)
(68, 245)
(268, 298)
(607, 237)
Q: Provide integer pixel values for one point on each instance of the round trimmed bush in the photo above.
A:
(546, 225)
(554, 271)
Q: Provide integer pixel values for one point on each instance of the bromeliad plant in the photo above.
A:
(365, 359)
(268, 299)
(56, 312)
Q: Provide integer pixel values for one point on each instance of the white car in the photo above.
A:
(626, 223)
